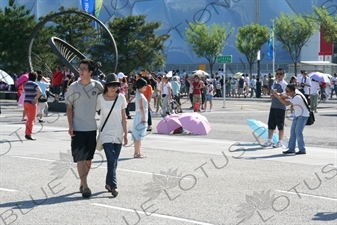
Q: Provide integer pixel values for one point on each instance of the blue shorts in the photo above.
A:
(209, 97)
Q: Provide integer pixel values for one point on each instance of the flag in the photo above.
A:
(98, 6)
(271, 43)
(89, 6)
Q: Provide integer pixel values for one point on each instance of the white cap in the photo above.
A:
(121, 75)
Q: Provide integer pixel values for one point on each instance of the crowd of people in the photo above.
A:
(110, 96)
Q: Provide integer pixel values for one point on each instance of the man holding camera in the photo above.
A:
(305, 84)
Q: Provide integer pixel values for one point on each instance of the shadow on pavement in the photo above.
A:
(30, 204)
(270, 156)
(325, 216)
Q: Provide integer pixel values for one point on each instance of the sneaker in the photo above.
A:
(267, 144)
(277, 145)
(41, 121)
(210, 110)
(300, 153)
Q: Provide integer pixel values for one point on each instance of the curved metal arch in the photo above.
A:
(66, 53)
(39, 26)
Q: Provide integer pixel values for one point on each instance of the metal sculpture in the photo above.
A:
(70, 49)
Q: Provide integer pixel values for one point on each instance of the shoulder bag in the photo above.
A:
(99, 144)
(311, 119)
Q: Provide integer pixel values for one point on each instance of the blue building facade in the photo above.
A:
(176, 14)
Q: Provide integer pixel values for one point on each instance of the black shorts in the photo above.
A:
(83, 145)
(276, 118)
(57, 89)
(177, 98)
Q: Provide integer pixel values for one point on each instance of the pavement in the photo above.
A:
(225, 177)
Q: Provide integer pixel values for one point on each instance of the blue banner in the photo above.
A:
(88, 6)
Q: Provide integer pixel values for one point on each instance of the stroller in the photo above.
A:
(174, 106)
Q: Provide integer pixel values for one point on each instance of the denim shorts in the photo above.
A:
(209, 97)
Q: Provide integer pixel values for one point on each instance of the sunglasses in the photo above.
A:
(112, 85)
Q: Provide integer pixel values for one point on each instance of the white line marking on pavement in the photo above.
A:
(103, 167)
(25, 157)
(9, 190)
(314, 196)
(153, 214)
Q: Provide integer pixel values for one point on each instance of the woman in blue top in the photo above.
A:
(140, 120)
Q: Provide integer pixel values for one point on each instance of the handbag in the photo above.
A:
(99, 144)
(43, 98)
(311, 119)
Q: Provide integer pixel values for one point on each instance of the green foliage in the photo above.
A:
(249, 40)
(75, 29)
(208, 41)
(328, 24)
(16, 27)
(294, 31)
(138, 45)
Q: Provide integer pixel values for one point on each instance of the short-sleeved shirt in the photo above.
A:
(57, 78)
(166, 88)
(83, 99)
(300, 108)
(113, 129)
(30, 91)
(314, 88)
(148, 92)
(279, 87)
(307, 81)
(43, 86)
(195, 90)
(123, 88)
(175, 87)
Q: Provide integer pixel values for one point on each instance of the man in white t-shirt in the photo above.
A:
(305, 84)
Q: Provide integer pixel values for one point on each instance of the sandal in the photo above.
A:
(140, 156)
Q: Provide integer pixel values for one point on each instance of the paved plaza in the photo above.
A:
(225, 177)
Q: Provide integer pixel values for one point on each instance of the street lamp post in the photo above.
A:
(258, 64)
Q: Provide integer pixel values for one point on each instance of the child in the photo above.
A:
(140, 120)
(209, 95)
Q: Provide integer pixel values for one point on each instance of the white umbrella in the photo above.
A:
(169, 74)
(328, 75)
(238, 75)
(6, 78)
(200, 73)
(320, 77)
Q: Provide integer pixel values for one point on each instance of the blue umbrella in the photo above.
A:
(261, 129)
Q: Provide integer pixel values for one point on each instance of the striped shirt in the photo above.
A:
(30, 91)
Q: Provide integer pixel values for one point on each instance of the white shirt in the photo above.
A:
(253, 83)
(159, 87)
(299, 106)
(113, 129)
(308, 82)
(166, 88)
(210, 89)
(314, 88)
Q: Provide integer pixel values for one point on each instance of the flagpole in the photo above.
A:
(274, 51)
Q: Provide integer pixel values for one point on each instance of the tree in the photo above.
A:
(249, 40)
(294, 31)
(75, 29)
(16, 27)
(327, 22)
(208, 41)
(138, 45)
